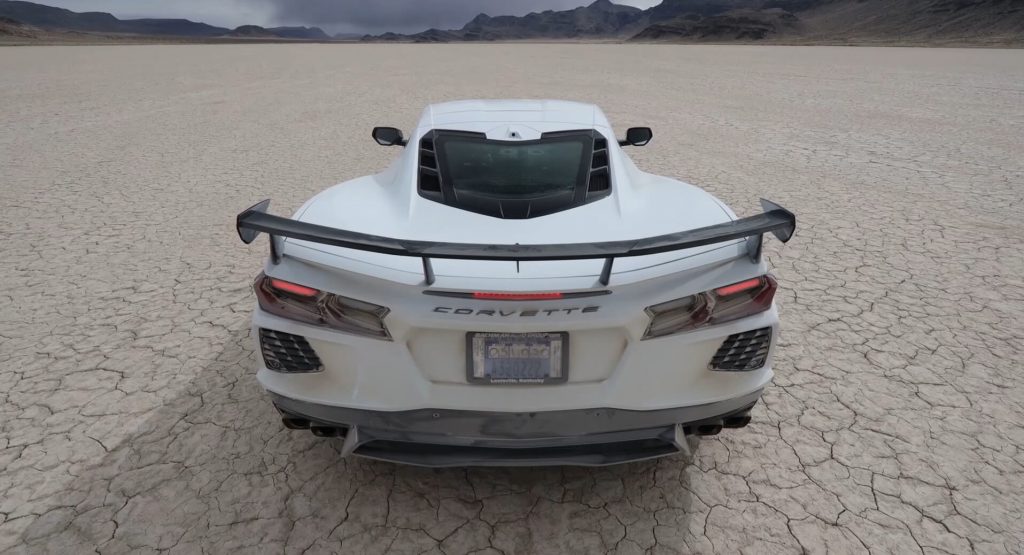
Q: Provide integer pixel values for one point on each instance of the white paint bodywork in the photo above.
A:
(424, 365)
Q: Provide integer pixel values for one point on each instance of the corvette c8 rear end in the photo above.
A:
(478, 339)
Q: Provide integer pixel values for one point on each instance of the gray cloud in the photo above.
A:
(347, 16)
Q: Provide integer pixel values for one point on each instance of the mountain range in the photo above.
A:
(970, 22)
(794, 21)
(29, 15)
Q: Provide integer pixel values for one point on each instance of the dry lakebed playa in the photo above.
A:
(131, 420)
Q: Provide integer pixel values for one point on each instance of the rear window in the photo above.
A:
(513, 170)
(509, 179)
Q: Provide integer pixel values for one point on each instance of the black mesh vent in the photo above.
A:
(599, 184)
(284, 352)
(427, 160)
(430, 176)
(429, 183)
(743, 351)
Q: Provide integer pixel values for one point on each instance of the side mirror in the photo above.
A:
(637, 136)
(388, 136)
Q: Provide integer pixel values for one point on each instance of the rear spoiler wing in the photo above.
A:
(775, 219)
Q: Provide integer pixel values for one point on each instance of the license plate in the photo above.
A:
(517, 358)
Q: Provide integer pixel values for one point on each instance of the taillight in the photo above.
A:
(320, 308)
(740, 287)
(717, 306)
(293, 288)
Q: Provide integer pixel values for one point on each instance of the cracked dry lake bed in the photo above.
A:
(130, 417)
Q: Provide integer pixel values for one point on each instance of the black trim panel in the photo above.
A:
(510, 429)
(587, 437)
(469, 295)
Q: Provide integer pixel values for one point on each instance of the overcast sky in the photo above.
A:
(334, 16)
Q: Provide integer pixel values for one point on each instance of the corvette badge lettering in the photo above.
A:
(514, 313)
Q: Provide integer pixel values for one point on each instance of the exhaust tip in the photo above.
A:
(737, 421)
(295, 423)
(709, 429)
(325, 431)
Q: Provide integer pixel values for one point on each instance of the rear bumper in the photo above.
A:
(586, 437)
(425, 366)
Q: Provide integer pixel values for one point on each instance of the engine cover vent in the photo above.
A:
(430, 176)
(599, 182)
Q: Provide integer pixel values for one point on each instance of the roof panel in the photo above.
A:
(576, 114)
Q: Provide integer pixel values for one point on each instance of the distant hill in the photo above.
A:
(920, 21)
(742, 24)
(308, 33)
(668, 10)
(251, 31)
(601, 19)
(297, 33)
(842, 21)
(14, 28)
(793, 21)
(46, 17)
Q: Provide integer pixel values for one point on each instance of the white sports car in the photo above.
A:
(512, 290)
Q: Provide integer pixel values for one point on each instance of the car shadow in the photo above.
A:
(213, 469)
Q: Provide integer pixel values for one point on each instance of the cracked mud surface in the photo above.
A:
(131, 421)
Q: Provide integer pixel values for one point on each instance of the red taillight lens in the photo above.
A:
(718, 306)
(517, 296)
(319, 308)
(738, 287)
(293, 288)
